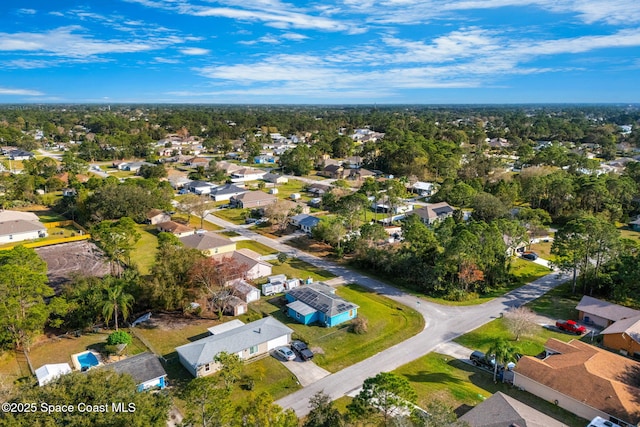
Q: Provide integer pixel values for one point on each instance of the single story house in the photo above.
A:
(319, 303)
(353, 162)
(383, 205)
(624, 336)
(228, 167)
(156, 216)
(145, 368)
(333, 171)
(425, 189)
(209, 243)
(18, 226)
(199, 187)
(20, 155)
(583, 379)
(501, 410)
(194, 162)
(247, 341)
(261, 160)
(318, 189)
(226, 192)
(133, 166)
(69, 192)
(433, 212)
(245, 291)
(274, 178)
(360, 174)
(175, 228)
(252, 199)
(224, 327)
(255, 267)
(602, 313)
(309, 223)
(48, 373)
(247, 174)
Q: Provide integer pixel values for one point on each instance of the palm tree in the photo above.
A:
(116, 301)
(502, 352)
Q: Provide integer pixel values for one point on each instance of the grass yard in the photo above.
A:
(268, 375)
(194, 222)
(627, 233)
(527, 271)
(483, 337)
(543, 249)
(144, 252)
(234, 215)
(59, 350)
(293, 186)
(255, 246)
(461, 386)
(229, 233)
(558, 303)
(293, 267)
(336, 348)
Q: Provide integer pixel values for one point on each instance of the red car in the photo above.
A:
(571, 326)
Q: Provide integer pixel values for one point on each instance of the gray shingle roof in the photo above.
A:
(319, 297)
(204, 241)
(605, 309)
(142, 367)
(503, 411)
(227, 189)
(241, 338)
(20, 226)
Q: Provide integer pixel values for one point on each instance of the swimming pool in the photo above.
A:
(87, 360)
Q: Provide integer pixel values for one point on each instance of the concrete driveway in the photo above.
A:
(306, 372)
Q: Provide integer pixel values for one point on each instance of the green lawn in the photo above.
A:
(293, 267)
(144, 252)
(558, 303)
(627, 233)
(234, 215)
(527, 271)
(293, 186)
(194, 222)
(255, 246)
(388, 324)
(483, 337)
(269, 375)
(543, 249)
(459, 385)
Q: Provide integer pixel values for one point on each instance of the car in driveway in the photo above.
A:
(302, 350)
(531, 256)
(285, 353)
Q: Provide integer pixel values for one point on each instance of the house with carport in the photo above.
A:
(585, 380)
(246, 340)
(318, 303)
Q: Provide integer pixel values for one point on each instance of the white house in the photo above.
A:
(247, 174)
(18, 226)
(247, 341)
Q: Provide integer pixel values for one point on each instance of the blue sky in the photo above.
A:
(329, 52)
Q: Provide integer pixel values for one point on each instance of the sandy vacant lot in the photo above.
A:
(67, 259)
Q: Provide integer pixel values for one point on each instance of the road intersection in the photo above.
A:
(442, 323)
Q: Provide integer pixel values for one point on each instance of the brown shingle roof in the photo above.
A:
(174, 227)
(204, 241)
(589, 375)
(254, 196)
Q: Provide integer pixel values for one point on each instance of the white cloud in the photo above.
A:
(22, 92)
(70, 42)
(27, 11)
(294, 36)
(195, 51)
(162, 60)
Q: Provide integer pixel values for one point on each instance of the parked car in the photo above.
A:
(302, 350)
(531, 256)
(250, 221)
(571, 326)
(480, 359)
(285, 353)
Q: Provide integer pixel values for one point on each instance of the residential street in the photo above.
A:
(442, 323)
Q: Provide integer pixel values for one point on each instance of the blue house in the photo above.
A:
(317, 303)
(308, 224)
(261, 160)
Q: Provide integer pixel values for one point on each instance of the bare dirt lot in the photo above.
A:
(66, 259)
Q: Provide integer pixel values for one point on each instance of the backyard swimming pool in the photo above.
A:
(86, 360)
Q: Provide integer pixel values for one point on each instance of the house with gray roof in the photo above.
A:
(209, 243)
(145, 368)
(434, 212)
(318, 303)
(226, 192)
(602, 313)
(247, 341)
(18, 226)
(501, 410)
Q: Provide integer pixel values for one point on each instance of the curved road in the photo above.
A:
(442, 323)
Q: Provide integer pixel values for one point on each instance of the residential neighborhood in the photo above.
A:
(284, 267)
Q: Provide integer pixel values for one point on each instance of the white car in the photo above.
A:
(285, 353)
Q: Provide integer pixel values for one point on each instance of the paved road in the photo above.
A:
(442, 323)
